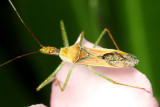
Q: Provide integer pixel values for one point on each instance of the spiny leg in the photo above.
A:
(110, 80)
(102, 33)
(50, 78)
(66, 81)
(64, 34)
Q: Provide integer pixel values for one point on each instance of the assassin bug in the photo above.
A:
(78, 54)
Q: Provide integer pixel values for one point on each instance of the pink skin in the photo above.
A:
(86, 89)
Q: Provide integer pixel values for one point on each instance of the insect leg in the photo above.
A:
(50, 78)
(102, 33)
(64, 34)
(66, 81)
(109, 79)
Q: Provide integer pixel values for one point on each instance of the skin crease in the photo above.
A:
(86, 89)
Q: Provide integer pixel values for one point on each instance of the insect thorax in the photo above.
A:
(70, 54)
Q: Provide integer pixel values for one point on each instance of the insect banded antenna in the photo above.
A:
(24, 23)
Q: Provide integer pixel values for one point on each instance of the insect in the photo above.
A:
(78, 54)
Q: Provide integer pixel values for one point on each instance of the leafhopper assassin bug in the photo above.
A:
(78, 54)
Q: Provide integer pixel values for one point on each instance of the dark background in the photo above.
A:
(133, 23)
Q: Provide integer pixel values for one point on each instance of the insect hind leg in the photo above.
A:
(110, 80)
(100, 36)
(130, 86)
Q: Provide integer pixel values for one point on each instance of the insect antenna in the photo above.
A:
(18, 58)
(24, 23)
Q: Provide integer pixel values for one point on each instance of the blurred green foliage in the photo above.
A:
(133, 23)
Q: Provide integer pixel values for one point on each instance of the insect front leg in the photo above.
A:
(50, 78)
(100, 36)
(66, 81)
(64, 34)
(110, 80)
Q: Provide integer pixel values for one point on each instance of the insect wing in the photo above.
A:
(106, 57)
(92, 56)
